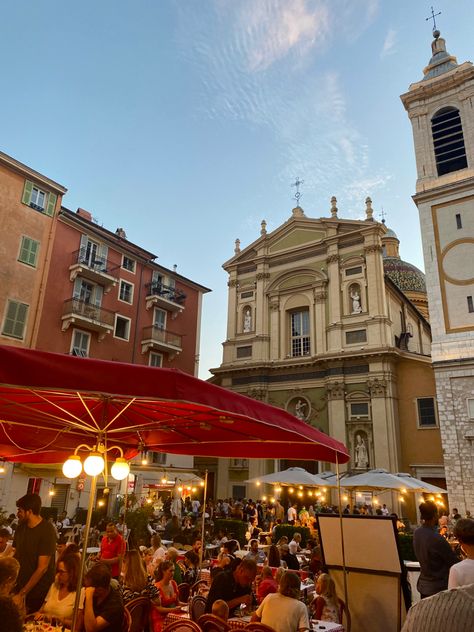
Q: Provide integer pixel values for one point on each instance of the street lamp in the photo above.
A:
(94, 463)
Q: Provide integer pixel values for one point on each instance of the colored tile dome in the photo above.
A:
(406, 276)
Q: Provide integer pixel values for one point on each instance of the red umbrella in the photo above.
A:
(50, 403)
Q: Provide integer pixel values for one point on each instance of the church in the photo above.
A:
(327, 321)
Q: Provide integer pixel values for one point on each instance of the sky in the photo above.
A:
(186, 121)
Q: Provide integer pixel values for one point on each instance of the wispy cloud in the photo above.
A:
(389, 45)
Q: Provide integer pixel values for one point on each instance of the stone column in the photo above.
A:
(275, 349)
(336, 411)
(385, 436)
(260, 326)
(334, 299)
(320, 296)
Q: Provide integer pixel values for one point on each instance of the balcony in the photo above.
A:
(91, 266)
(87, 316)
(165, 296)
(157, 339)
(239, 464)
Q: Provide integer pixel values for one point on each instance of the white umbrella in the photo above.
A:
(381, 479)
(293, 476)
(418, 485)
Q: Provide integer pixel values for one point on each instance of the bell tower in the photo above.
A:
(441, 110)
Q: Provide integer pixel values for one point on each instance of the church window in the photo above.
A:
(358, 410)
(470, 305)
(458, 220)
(426, 409)
(448, 141)
(300, 338)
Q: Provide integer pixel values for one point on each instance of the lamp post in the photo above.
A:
(94, 465)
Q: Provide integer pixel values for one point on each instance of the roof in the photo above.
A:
(406, 276)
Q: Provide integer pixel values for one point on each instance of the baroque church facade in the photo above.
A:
(326, 321)
(441, 110)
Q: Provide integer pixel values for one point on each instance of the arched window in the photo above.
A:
(448, 141)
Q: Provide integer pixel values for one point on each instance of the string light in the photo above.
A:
(264, 498)
(272, 500)
(300, 494)
(257, 483)
(291, 490)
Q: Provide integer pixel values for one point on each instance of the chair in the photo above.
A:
(184, 591)
(211, 623)
(258, 627)
(197, 605)
(344, 611)
(197, 586)
(183, 625)
(139, 611)
(127, 621)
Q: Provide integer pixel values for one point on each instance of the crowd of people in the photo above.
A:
(39, 571)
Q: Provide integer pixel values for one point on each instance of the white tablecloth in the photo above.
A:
(326, 626)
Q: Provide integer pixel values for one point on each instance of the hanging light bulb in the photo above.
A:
(180, 489)
(278, 489)
(291, 490)
(120, 469)
(310, 493)
(51, 492)
(164, 480)
(2, 467)
(272, 500)
(72, 467)
(258, 483)
(201, 483)
(264, 498)
(194, 490)
(144, 460)
(300, 494)
(94, 464)
(301, 487)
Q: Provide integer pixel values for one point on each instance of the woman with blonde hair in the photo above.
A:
(9, 569)
(283, 611)
(135, 580)
(326, 605)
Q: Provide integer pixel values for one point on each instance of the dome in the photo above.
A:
(406, 276)
(390, 234)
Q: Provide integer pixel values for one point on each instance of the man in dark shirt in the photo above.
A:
(433, 552)
(101, 609)
(35, 547)
(234, 587)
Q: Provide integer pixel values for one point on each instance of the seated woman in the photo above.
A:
(191, 567)
(283, 611)
(59, 601)
(135, 580)
(168, 594)
(326, 606)
(266, 584)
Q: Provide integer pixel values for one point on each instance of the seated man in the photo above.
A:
(101, 606)
(255, 553)
(234, 587)
(295, 544)
(290, 559)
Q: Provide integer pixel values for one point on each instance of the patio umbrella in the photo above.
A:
(292, 476)
(50, 403)
(418, 485)
(380, 479)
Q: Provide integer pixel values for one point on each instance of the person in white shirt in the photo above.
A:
(283, 611)
(462, 574)
(6, 548)
(385, 511)
(295, 545)
(292, 514)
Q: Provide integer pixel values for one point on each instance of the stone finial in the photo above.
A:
(334, 207)
(263, 230)
(298, 212)
(369, 211)
(237, 246)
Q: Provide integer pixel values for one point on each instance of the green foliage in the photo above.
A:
(137, 520)
(289, 529)
(236, 529)
(405, 543)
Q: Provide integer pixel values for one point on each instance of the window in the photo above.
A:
(426, 412)
(122, 327)
(80, 343)
(448, 141)
(244, 352)
(158, 458)
(356, 270)
(15, 319)
(93, 254)
(359, 409)
(126, 292)
(470, 305)
(470, 408)
(160, 319)
(458, 220)
(156, 360)
(300, 339)
(28, 251)
(128, 264)
(38, 199)
(354, 337)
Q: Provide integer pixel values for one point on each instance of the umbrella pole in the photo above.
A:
(203, 530)
(342, 532)
(84, 550)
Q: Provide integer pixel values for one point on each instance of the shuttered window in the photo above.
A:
(29, 251)
(15, 319)
(38, 199)
(448, 141)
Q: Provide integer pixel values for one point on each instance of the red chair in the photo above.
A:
(197, 606)
(184, 591)
(211, 623)
(184, 625)
(139, 611)
(127, 621)
(201, 584)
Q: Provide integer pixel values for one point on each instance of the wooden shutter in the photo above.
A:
(98, 294)
(29, 251)
(77, 287)
(15, 319)
(51, 204)
(103, 253)
(83, 248)
(26, 199)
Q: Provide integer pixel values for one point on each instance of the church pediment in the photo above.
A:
(295, 238)
(297, 281)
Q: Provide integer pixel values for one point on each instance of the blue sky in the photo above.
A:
(186, 121)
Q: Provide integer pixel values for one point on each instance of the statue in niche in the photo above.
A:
(247, 321)
(361, 456)
(355, 296)
(300, 409)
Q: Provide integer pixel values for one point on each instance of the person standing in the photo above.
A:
(433, 553)
(35, 547)
(112, 549)
(292, 514)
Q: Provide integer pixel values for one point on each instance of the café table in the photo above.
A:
(326, 626)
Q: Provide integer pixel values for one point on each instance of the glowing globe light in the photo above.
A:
(72, 467)
(120, 469)
(94, 464)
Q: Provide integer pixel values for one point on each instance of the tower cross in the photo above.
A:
(383, 214)
(296, 184)
(433, 17)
